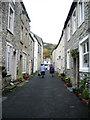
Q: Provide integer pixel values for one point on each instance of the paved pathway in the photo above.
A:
(43, 98)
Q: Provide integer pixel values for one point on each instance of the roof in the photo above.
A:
(39, 39)
(70, 13)
(25, 10)
(66, 22)
(31, 36)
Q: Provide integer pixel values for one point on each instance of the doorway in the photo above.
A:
(76, 70)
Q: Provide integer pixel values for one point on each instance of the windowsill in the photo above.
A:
(68, 68)
(23, 72)
(84, 69)
(10, 31)
(21, 42)
(80, 24)
(8, 75)
(68, 40)
(74, 32)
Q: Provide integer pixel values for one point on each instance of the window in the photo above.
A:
(84, 54)
(14, 1)
(80, 12)
(68, 31)
(74, 21)
(8, 57)
(85, 47)
(11, 19)
(21, 33)
(24, 63)
(68, 59)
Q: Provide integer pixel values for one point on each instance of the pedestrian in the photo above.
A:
(42, 70)
(52, 70)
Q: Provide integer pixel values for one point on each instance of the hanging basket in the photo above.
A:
(74, 53)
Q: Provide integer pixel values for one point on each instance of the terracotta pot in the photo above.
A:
(62, 78)
(87, 102)
(69, 84)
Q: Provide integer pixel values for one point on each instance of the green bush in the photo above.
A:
(85, 94)
(82, 84)
(62, 74)
(74, 53)
(27, 73)
(79, 90)
(20, 78)
(68, 79)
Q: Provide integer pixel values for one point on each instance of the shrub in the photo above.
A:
(68, 80)
(78, 90)
(20, 78)
(27, 73)
(85, 94)
(74, 53)
(82, 84)
(62, 74)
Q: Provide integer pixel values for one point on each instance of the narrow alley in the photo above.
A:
(43, 98)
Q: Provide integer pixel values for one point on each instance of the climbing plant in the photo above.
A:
(74, 52)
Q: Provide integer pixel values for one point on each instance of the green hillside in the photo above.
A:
(48, 47)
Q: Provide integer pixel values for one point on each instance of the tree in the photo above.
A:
(46, 53)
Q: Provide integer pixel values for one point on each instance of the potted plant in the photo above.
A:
(26, 76)
(68, 82)
(62, 76)
(82, 84)
(85, 96)
(77, 91)
(20, 78)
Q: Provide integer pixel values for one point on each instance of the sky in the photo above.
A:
(47, 17)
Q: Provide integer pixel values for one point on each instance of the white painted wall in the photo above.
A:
(58, 56)
(35, 55)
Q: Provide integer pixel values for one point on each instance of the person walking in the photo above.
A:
(42, 70)
(52, 70)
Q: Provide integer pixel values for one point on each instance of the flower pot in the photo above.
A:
(69, 84)
(86, 101)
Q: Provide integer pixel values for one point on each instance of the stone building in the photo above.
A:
(38, 51)
(24, 38)
(17, 43)
(31, 54)
(76, 53)
(77, 45)
(15, 38)
(9, 42)
(58, 55)
(0, 48)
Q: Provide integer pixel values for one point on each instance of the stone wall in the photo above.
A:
(73, 43)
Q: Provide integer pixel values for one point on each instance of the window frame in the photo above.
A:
(11, 29)
(68, 31)
(74, 21)
(24, 62)
(21, 34)
(9, 48)
(68, 59)
(81, 54)
(80, 12)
